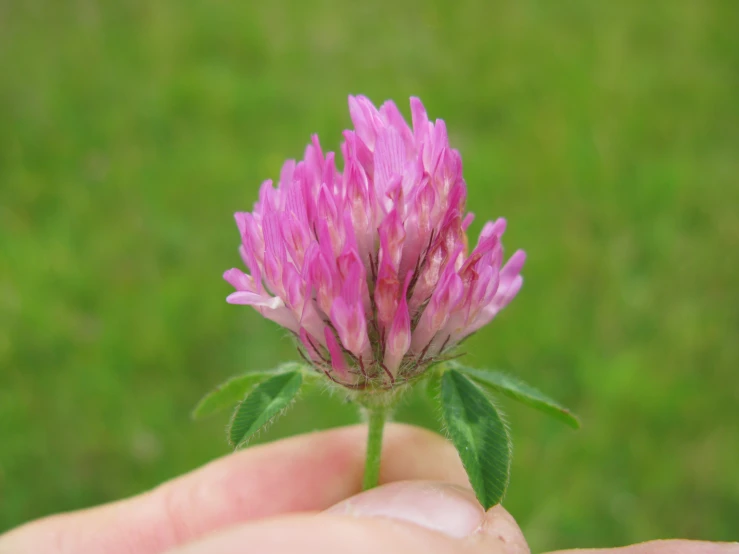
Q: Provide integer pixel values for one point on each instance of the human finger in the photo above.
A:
(429, 517)
(303, 473)
(664, 547)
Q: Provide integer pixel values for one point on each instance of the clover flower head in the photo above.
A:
(369, 267)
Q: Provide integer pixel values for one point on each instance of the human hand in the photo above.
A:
(302, 495)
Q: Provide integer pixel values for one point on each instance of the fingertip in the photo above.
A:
(446, 508)
(502, 529)
(440, 507)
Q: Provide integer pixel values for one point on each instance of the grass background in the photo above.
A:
(606, 132)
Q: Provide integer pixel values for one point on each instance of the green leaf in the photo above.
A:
(263, 403)
(229, 393)
(498, 381)
(478, 433)
(433, 386)
(232, 391)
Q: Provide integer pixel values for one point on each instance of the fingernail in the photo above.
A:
(441, 507)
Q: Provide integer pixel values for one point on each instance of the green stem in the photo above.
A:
(376, 422)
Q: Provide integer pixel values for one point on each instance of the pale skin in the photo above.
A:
(303, 495)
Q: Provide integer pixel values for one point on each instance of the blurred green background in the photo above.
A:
(606, 132)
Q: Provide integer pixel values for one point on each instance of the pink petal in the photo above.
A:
(366, 119)
(351, 326)
(467, 221)
(389, 158)
(392, 116)
(420, 120)
(338, 362)
(392, 237)
(386, 292)
(310, 345)
(240, 280)
(512, 268)
(398, 339)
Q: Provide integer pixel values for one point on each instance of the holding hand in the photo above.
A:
(303, 495)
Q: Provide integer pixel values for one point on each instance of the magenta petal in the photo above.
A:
(513, 267)
(420, 120)
(386, 292)
(389, 158)
(351, 325)
(366, 119)
(239, 280)
(253, 299)
(399, 337)
(467, 221)
(338, 362)
(310, 344)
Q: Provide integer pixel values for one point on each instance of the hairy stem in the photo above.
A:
(376, 420)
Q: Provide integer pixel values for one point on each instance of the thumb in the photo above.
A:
(445, 508)
(411, 516)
